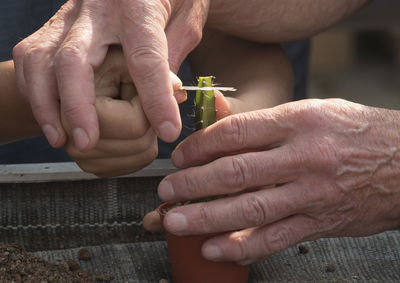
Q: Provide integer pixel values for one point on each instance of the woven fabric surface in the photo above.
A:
(370, 259)
(54, 220)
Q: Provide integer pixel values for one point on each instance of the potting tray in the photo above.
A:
(55, 209)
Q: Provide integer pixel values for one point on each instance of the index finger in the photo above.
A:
(239, 212)
(237, 133)
(146, 51)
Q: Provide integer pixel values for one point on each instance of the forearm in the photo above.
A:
(16, 119)
(276, 20)
(261, 72)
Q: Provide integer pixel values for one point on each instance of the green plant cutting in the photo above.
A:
(205, 112)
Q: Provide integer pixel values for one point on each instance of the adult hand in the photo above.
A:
(127, 142)
(55, 64)
(305, 170)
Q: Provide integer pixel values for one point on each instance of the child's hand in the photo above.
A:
(127, 143)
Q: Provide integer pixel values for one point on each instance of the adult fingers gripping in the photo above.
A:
(231, 174)
(248, 210)
(146, 50)
(254, 244)
(240, 132)
(19, 51)
(74, 64)
(35, 74)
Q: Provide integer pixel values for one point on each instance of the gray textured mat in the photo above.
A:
(370, 259)
(54, 219)
(48, 216)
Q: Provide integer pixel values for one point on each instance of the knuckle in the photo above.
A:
(241, 243)
(235, 130)
(76, 115)
(253, 211)
(144, 59)
(193, 35)
(36, 55)
(190, 186)
(330, 222)
(67, 56)
(39, 109)
(277, 240)
(326, 153)
(154, 108)
(70, 112)
(235, 174)
(206, 217)
(19, 50)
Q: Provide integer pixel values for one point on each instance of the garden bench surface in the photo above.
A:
(53, 220)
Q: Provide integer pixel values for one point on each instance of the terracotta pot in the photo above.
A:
(189, 266)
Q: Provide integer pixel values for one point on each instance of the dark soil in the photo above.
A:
(17, 265)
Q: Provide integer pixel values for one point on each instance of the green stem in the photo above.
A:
(205, 113)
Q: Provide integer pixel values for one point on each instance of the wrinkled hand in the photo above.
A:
(307, 169)
(127, 143)
(55, 64)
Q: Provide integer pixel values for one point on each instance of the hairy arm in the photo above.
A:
(16, 119)
(276, 20)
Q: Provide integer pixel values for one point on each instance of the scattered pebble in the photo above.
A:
(303, 249)
(73, 265)
(84, 254)
(330, 268)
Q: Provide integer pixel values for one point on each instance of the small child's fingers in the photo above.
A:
(117, 166)
(109, 148)
(119, 119)
(152, 222)
(180, 95)
(222, 105)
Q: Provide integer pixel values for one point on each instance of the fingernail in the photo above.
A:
(180, 96)
(166, 191)
(176, 82)
(167, 131)
(175, 222)
(51, 134)
(212, 252)
(178, 158)
(245, 262)
(81, 139)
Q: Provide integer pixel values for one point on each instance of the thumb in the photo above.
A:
(222, 105)
(179, 93)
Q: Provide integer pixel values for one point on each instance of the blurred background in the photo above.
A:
(359, 60)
